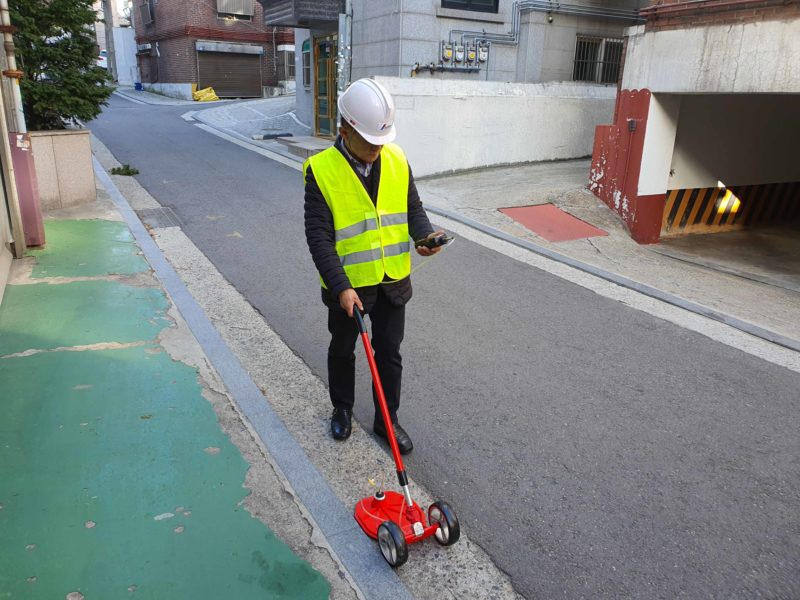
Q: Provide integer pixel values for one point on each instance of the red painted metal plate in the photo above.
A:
(552, 223)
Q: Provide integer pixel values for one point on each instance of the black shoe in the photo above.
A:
(403, 439)
(341, 423)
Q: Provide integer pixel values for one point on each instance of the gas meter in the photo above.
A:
(459, 53)
(471, 54)
(483, 53)
(447, 52)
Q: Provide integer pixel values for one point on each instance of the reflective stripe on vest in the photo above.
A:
(371, 240)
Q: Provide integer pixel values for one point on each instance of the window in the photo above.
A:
(148, 12)
(290, 65)
(235, 9)
(476, 5)
(597, 59)
(307, 64)
(285, 62)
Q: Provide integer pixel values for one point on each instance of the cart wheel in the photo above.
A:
(449, 530)
(393, 543)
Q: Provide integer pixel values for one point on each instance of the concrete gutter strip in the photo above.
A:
(373, 577)
(749, 328)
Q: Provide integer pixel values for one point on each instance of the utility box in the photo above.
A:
(64, 170)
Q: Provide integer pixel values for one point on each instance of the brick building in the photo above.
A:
(222, 44)
(705, 128)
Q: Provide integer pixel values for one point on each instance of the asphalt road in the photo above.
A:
(594, 451)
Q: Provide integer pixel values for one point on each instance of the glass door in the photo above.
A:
(325, 51)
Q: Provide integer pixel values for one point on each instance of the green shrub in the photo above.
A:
(125, 170)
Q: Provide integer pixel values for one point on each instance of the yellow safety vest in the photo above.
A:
(371, 240)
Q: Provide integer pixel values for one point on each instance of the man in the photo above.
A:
(361, 205)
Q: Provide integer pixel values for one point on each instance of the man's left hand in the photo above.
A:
(425, 251)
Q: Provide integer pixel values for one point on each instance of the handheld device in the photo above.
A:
(434, 242)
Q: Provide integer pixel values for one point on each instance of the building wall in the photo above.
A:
(680, 14)
(179, 24)
(125, 55)
(390, 37)
(744, 57)
(446, 126)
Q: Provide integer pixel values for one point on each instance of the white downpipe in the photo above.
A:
(400, 44)
(344, 51)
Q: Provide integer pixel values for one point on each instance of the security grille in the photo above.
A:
(597, 59)
(232, 75)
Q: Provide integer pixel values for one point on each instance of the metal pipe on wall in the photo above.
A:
(9, 177)
(18, 116)
(344, 52)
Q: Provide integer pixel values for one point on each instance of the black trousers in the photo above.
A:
(388, 328)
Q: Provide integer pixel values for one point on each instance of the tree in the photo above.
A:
(57, 51)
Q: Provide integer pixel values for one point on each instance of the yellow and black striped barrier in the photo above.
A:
(708, 210)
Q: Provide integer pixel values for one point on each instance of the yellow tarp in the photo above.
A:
(204, 95)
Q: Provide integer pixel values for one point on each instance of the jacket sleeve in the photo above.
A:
(321, 239)
(419, 226)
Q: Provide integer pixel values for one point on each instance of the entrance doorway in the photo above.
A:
(325, 50)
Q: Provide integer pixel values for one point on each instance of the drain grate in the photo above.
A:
(156, 218)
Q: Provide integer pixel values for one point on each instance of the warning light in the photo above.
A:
(727, 202)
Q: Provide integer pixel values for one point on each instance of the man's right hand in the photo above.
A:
(348, 298)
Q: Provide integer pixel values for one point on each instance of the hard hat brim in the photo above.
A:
(386, 136)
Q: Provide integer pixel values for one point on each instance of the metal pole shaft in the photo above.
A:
(18, 117)
(111, 56)
(9, 176)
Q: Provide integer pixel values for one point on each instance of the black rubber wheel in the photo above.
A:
(449, 530)
(393, 543)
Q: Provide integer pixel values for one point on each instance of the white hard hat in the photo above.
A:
(369, 108)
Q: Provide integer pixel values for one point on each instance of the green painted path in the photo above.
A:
(117, 481)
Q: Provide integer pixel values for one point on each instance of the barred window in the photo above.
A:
(597, 59)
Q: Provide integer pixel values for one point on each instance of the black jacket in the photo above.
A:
(321, 239)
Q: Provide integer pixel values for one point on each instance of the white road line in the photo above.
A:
(710, 328)
(263, 152)
(128, 98)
